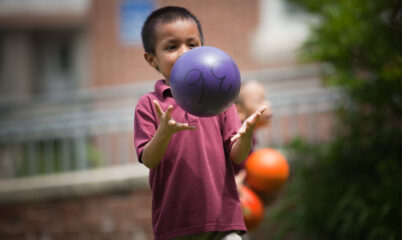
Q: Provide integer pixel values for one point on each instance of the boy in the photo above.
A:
(251, 98)
(194, 193)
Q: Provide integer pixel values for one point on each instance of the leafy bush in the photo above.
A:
(349, 188)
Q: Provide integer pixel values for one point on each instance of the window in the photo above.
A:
(65, 56)
(282, 28)
(56, 53)
(1, 56)
(132, 16)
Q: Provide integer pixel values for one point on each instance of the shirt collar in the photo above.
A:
(162, 89)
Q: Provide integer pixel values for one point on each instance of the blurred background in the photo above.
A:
(71, 72)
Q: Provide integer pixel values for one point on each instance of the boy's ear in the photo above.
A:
(150, 58)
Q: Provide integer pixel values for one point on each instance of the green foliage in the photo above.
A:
(349, 188)
(46, 157)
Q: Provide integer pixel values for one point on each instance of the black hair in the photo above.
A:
(166, 14)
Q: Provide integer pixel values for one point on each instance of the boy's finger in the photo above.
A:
(185, 126)
(257, 113)
(158, 108)
(235, 137)
(262, 109)
(249, 124)
(253, 119)
(169, 112)
(257, 118)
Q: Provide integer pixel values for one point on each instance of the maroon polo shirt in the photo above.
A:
(193, 188)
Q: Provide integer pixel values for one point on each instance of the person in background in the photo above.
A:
(251, 97)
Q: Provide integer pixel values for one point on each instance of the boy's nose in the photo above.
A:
(184, 49)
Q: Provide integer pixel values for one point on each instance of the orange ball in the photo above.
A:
(267, 170)
(252, 208)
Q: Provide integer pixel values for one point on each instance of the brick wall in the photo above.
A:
(109, 216)
(227, 24)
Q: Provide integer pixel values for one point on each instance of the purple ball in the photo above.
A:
(205, 81)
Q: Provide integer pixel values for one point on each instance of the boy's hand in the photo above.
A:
(167, 123)
(246, 130)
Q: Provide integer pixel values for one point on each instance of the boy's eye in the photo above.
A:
(192, 45)
(171, 47)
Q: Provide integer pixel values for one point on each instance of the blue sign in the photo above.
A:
(133, 14)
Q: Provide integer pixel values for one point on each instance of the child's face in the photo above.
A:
(253, 97)
(172, 40)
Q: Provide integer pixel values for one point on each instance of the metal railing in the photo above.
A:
(90, 129)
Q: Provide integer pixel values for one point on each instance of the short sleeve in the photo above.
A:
(145, 124)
